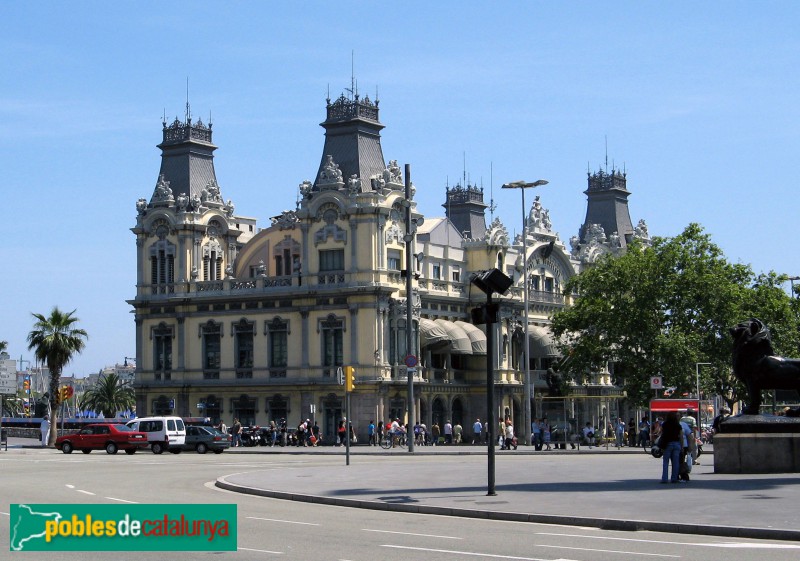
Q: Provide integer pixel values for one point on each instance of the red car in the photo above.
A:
(103, 436)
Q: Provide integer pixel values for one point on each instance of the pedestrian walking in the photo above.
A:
(236, 432)
(44, 428)
(477, 428)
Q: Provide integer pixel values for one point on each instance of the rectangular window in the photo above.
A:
(331, 260)
(211, 351)
(278, 349)
(437, 271)
(548, 284)
(163, 350)
(332, 331)
(287, 262)
(244, 349)
(278, 264)
(393, 260)
(456, 274)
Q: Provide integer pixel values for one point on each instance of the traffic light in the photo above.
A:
(349, 378)
(26, 385)
(64, 393)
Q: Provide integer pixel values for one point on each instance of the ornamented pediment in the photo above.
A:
(496, 234)
(330, 231)
(394, 234)
(286, 221)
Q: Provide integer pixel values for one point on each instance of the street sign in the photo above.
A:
(8, 377)
(411, 361)
(656, 383)
(340, 376)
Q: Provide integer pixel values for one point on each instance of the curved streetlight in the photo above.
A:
(522, 185)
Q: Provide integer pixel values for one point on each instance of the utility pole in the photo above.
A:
(409, 239)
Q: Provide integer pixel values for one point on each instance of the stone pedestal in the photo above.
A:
(758, 444)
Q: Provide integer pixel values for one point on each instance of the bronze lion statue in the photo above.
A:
(755, 364)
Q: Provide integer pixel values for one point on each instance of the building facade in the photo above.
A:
(233, 321)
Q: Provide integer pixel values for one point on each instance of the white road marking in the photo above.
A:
(731, 545)
(411, 534)
(6, 513)
(85, 492)
(260, 550)
(284, 521)
(473, 554)
(608, 551)
(122, 500)
(70, 486)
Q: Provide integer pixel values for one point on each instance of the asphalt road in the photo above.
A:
(279, 529)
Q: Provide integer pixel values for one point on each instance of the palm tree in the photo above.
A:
(109, 395)
(55, 340)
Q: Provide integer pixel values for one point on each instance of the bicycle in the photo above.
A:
(390, 440)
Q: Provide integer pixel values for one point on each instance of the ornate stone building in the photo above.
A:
(232, 321)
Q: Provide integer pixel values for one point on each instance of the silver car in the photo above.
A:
(203, 439)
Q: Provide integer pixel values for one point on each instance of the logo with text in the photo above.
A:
(133, 527)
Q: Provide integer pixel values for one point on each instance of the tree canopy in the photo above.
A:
(109, 395)
(661, 310)
(55, 340)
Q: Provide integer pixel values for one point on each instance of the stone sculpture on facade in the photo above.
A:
(641, 233)
(354, 184)
(330, 173)
(211, 193)
(162, 193)
(755, 364)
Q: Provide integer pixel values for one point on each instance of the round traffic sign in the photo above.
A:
(411, 361)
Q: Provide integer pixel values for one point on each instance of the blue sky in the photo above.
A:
(698, 101)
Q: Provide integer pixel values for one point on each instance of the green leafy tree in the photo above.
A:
(3, 346)
(109, 395)
(661, 310)
(55, 340)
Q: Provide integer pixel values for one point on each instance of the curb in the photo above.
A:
(600, 523)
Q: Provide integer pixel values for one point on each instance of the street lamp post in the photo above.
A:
(699, 404)
(522, 185)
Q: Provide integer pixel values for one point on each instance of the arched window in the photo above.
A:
(212, 261)
(162, 265)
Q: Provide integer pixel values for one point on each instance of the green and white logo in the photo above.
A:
(140, 527)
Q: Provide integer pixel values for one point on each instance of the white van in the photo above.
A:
(163, 433)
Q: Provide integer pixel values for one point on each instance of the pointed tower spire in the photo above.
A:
(187, 157)
(607, 205)
(352, 139)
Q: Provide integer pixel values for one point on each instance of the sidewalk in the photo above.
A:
(610, 489)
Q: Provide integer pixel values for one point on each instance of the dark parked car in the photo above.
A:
(203, 439)
(103, 436)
